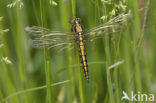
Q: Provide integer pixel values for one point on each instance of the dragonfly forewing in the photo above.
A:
(50, 39)
(112, 26)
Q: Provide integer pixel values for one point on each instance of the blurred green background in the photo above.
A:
(29, 75)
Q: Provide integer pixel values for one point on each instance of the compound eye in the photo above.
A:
(72, 20)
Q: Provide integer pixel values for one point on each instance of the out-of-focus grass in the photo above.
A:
(22, 67)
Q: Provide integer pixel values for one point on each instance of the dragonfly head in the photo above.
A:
(75, 21)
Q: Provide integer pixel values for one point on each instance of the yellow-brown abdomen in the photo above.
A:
(83, 57)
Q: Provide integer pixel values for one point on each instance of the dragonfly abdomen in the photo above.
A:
(83, 56)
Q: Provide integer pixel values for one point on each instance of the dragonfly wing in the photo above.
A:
(40, 31)
(112, 26)
(50, 39)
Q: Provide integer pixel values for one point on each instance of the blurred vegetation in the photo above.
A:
(29, 75)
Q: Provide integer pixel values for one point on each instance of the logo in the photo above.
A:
(137, 97)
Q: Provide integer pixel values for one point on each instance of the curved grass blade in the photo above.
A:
(33, 89)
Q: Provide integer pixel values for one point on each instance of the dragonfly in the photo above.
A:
(62, 40)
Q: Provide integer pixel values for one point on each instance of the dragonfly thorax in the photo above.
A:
(76, 24)
(78, 28)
